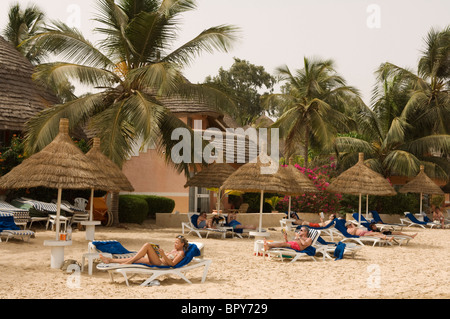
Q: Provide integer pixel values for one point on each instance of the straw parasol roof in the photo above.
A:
(20, 97)
(110, 169)
(360, 179)
(421, 184)
(61, 164)
(248, 178)
(296, 181)
(212, 176)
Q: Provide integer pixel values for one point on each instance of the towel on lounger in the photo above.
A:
(111, 246)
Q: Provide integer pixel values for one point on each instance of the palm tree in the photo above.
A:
(409, 118)
(133, 65)
(312, 104)
(22, 25)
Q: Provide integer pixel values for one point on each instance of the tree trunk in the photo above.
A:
(115, 208)
(306, 146)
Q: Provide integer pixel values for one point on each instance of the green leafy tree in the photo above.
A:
(243, 83)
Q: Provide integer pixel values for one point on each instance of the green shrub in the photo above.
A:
(155, 204)
(158, 204)
(132, 209)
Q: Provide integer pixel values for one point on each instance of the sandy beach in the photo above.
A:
(417, 270)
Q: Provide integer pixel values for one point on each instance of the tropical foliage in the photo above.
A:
(132, 66)
(312, 106)
(408, 124)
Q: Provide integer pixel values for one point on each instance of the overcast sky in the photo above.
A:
(358, 35)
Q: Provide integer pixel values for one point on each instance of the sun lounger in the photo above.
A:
(9, 229)
(337, 249)
(293, 254)
(329, 229)
(191, 225)
(193, 259)
(340, 225)
(21, 216)
(108, 248)
(382, 225)
(411, 220)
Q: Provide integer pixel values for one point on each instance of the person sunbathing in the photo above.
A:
(322, 222)
(355, 231)
(301, 241)
(204, 222)
(149, 255)
(373, 227)
(438, 216)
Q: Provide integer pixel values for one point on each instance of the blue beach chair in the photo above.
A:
(9, 229)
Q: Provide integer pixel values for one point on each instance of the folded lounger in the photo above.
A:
(9, 229)
(192, 260)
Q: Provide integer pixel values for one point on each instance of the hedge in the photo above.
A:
(144, 206)
(132, 209)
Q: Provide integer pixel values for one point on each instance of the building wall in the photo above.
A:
(150, 175)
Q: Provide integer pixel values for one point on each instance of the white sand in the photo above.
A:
(418, 270)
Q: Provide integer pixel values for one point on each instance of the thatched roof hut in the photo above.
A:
(113, 173)
(20, 98)
(61, 164)
(360, 179)
(421, 184)
(212, 176)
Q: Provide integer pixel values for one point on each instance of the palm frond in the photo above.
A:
(425, 145)
(402, 163)
(43, 128)
(218, 38)
(60, 72)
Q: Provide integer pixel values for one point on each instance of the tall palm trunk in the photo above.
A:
(306, 145)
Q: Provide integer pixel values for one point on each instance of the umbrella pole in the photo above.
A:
(367, 206)
(218, 201)
(58, 212)
(289, 209)
(420, 212)
(261, 203)
(91, 212)
(359, 211)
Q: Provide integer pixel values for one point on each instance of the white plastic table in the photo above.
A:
(90, 228)
(57, 251)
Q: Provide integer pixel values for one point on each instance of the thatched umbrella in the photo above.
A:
(61, 164)
(296, 181)
(360, 179)
(112, 172)
(212, 176)
(251, 178)
(421, 184)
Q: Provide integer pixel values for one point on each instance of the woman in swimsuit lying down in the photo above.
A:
(301, 241)
(148, 255)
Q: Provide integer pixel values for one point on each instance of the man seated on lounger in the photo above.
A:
(322, 223)
(300, 242)
(355, 231)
